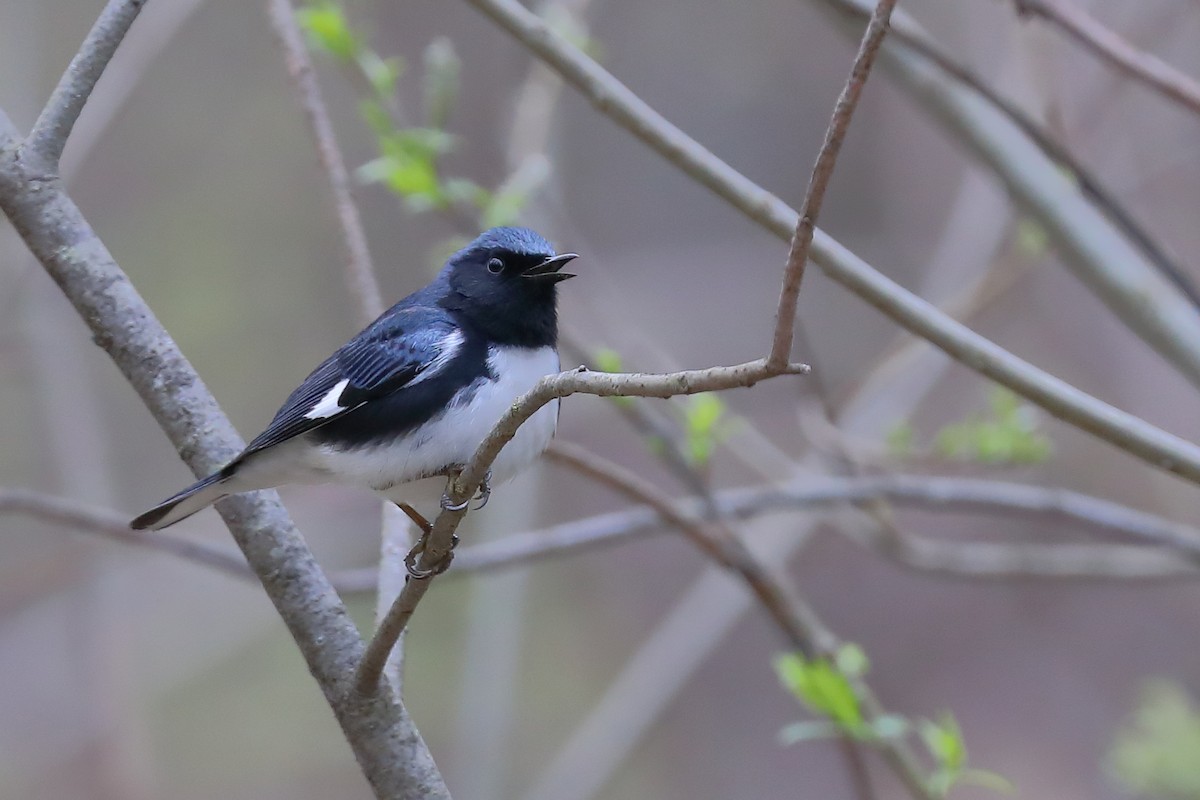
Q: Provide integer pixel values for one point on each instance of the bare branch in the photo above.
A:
(360, 274)
(810, 209)
(1008, 562)
(111, 525)
(1059, 398)
(951, 495)
(387, 745)
(49, 135)
(794, 618)
(1110, 46)
(1107, 263)
(1089, 182)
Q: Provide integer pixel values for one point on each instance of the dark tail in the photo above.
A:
(180, 506)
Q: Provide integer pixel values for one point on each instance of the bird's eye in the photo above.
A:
(495, 266)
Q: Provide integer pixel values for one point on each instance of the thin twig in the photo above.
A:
(794, 618)
(1110, 46)
(1089, 182)
(810, 209)
(713, 538)
(49, 134)
(1109, 265)
(115, 526)
(1059, 398)
(995, 561)
(360, 273)
(951, 495)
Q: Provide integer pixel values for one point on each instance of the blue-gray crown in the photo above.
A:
(516, 240)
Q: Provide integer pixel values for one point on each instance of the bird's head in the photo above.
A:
(505, 281)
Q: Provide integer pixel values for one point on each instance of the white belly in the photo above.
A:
(452, 437)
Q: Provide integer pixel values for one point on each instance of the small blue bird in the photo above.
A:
(415, 393)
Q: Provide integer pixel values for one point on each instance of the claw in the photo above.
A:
(485, 491)
(448, 506)
(410, 560)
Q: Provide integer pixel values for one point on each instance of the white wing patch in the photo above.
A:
(328, 405)
(448, 348)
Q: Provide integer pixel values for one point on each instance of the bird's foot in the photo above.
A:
(410, 560)
(485, 490)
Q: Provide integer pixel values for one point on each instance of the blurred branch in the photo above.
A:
(1110, 46)
(360, 273)
(948, 495)
(1064, 401)
(810, 209)
(49, 134)
(388, 748)
(1104, 260)
(951, 495)
(795, 619)
(113, 525)
(1004, 561)
(1089, 183)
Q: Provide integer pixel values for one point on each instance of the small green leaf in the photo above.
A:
(1008, 434)
(327, 30)
(381, 73)
(824, 690)
(703, 415)
(944, 741)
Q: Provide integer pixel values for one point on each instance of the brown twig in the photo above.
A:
(1110, 46)
(714, 538)
(360, 273)
(810, 209)
(799, 624)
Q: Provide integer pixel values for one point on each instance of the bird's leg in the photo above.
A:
(410, 560)
(485, 490)
(446, 504)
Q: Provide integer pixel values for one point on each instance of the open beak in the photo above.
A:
(549, 270)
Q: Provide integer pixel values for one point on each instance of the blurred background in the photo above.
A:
(632, 671)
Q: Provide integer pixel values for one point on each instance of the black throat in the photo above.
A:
(532, 323)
